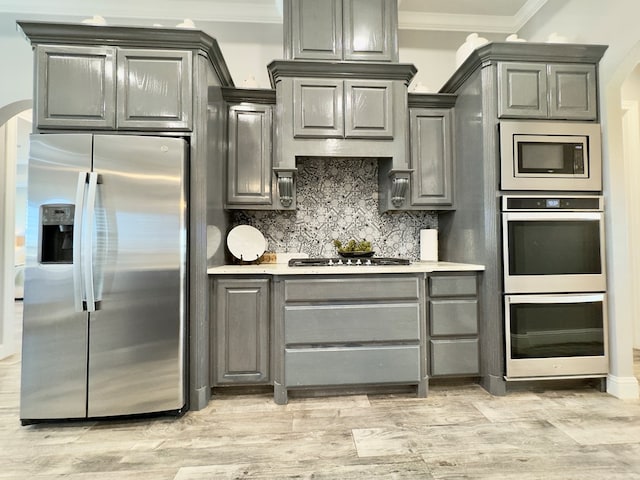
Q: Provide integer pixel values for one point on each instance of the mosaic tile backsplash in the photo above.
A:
(338, 198)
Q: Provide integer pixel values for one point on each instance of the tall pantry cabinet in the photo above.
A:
(504, 80)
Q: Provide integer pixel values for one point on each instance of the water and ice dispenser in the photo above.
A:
(56, 227)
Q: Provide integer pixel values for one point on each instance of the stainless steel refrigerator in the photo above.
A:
(104, 301)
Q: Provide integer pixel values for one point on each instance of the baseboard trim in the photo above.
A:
(625, 388)
(199, 398)
(495, 385)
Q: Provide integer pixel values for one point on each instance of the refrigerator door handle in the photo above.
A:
(78, 290)
(88, 243)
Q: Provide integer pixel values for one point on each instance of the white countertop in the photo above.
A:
(284, 269)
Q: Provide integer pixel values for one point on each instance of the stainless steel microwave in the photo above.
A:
(541, 155)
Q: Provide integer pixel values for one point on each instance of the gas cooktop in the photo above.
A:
(339, 261)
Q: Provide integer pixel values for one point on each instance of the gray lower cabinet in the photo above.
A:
(547, 90)
(350, 330)
(332, 108)
(249, 161)
(107, 87)
(453, 325)
(353, 30)
(431, 157)
(240, 331)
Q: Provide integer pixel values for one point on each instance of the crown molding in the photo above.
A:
(469, 23)
(256, 11)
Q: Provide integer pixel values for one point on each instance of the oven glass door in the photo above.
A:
(556, 335)
(553, 252)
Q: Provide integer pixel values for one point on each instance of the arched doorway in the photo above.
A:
(7, 226)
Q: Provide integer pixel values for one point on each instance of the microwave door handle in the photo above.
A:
(88, 244)
(78, 286)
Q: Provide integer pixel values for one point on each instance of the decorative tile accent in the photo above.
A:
(338, 198)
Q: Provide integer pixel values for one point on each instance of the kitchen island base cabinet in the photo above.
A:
(345, 331)
(240, 332)
(453, 325)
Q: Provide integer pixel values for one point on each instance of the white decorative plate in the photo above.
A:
(246, 243)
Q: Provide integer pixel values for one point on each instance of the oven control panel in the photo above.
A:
(592, 203)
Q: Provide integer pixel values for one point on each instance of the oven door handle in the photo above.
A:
(565, 298)
(553, 216)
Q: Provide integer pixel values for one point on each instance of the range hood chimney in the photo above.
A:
(340, 92)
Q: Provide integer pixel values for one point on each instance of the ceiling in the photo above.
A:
(491, 16)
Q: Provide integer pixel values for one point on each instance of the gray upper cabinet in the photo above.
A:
(104, 87)
(154, 89)
(540, 90)
(522, 90)
(572, 92)
(353, 30)
(370, 30)
(368, 109)
(317, 29)
(318, 108)
(431, 157)
(249, 165)
(75, 86)
(330, 108)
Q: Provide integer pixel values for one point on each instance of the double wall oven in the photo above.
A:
(554, 286)
(553, 252)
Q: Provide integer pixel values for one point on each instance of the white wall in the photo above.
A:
(17, 64)
(433, 54)
(615, 24)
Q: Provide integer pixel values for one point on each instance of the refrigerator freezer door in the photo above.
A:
(136, 339)
(54, 345)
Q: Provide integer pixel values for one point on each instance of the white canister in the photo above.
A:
(429, 245)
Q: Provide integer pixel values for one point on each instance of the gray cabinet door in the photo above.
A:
(370, 30)
(318, 108)
(368, 109)
(75, 87)
(154, 89)
(249, 165)
(240, 331)
(522, 90)
(431, 157)
(316, 30)
(572, 92)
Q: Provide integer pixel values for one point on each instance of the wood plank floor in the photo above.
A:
(458, 432)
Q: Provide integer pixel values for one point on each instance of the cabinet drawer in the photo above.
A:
(454, 357)
(452, 286)
(344, 366)
(352, 323)
(346, 288)
(453, 317)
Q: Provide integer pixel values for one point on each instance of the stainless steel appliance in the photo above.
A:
(546, 155)
(554, 283)
(553, 244)
(341, 261)
(104, 304)
(556, 335)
